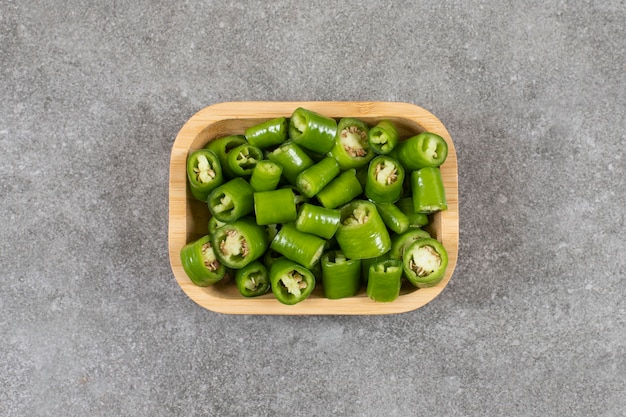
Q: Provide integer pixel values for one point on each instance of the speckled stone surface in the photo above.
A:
(92, 322)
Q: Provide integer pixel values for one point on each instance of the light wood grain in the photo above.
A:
(188, 218)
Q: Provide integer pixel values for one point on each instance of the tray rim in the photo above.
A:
(177, 219)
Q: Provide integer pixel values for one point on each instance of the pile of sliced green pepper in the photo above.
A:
(306, 199)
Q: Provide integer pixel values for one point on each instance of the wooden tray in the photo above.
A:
(188, 218)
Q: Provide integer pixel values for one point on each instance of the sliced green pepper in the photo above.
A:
(366, 263)
(341, 277)
(214, 224)
(291, 282)
(239, 243)
(394, 218)
(222, 146)
(317, 220)
(312, 130)
(242, 159)
(424, 150)
(276, 206)
(425, 262)
(232, 200)
(385, 281)
(267, 134)
(200, 262)
(429, 194)
(265, 175)
(270, 257)
(297, 197)
(385, 177)
(253, 279)
(351, 147)
(292, 158)
(415, 219)
(362, 232)
(313, 179)
(304, 248)
(400, 242)
(204, 173)
(383, 137)
(271, 230)
(341, 190)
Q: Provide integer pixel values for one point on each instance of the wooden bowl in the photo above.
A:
(188, 218)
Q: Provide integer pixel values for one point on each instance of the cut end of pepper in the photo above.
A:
(209, 258)
(234, 244)
(245, 160)
(203, 170)
(360, 215)
(386, 172)
(294, 282)
(430, 149)
(225, 204)
(299, 122)
(354, 141)
(255, 281)
(424, 261)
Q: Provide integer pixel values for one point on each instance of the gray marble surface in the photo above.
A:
(92, 322)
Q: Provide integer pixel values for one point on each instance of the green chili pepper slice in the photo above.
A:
(204, 173)
(424, 262)
(424, 150)
(242, 160)
(394, 218)
(351, 147)
(232, 200)
(271, 230)
(291, 283)
(385, 281)
(341, 277)
(383, 137)
(270, 257)
(344, 188)
(317, 220)
(312, 130)
(253, 279)
(400, 242)
(265, 175)
(214, 224)
(416, 220)
(362, 232)
(267, 134)
(385, 177)
(292, 159)
(239, 243)
(222, 147)
(429, 194)
(366, 263)
(276, 206)
(313, 179)
(303, 248)
(201, 263)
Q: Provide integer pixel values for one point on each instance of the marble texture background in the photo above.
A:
(92, 322)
